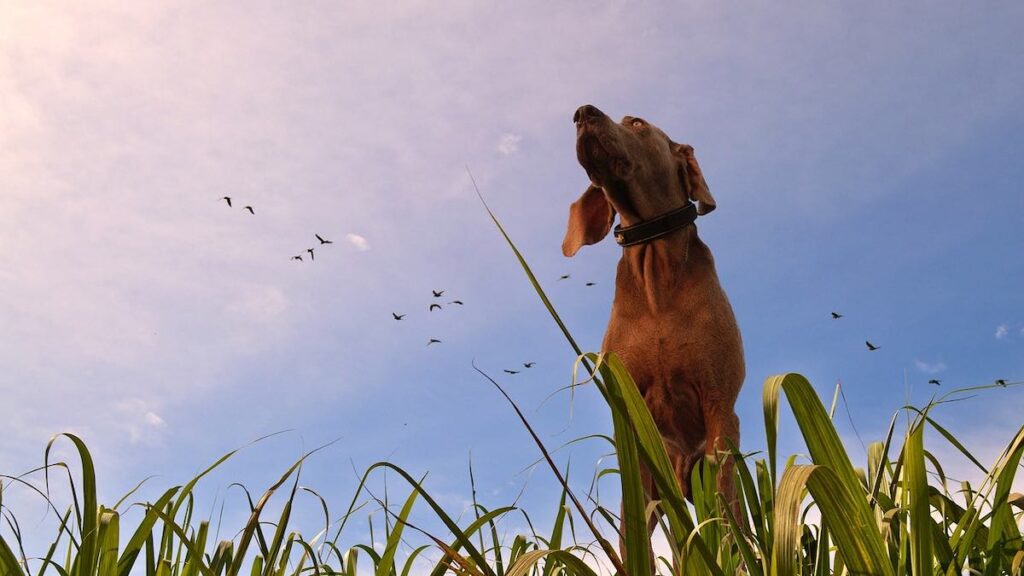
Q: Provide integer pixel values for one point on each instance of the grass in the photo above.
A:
(897, 514)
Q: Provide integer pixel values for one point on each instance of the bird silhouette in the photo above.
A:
(249, 208)
(1001, 382)
(512, 371)
(398, 316)
(528, 364)
(297, 257)
(433, 341)
(437, 293)
(432, 306)
(935, 381)
(228, 200)
(871, 347)
(591, 283)
(459, 302)
(836, 315)
(310, 250)
(322, 240)
(564, 277)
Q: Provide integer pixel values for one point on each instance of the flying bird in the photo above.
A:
(249, 208)
(432, 306)
(322, 241)
(433, 341)
(437, 293)
(512, 371)
(398, 316)
(564, 277)
(871, 347)
(228, 200)
(459, 302)
(836, 315)
(935, 381)
(590, 283)
(297, 257)
(1001, 382)
(528, 364)
(310, 250)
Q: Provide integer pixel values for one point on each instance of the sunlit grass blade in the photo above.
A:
(915, 484)
(856, 535)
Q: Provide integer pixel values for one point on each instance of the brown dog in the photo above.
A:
(671, 322)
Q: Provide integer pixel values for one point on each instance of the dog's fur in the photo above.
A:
(671, 323)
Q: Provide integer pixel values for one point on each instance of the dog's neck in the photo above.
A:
(651, 274)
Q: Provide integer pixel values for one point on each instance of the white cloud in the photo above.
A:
(154, 419)
(509, 144)
(358, 242)
(930, 367)
(1001, 331)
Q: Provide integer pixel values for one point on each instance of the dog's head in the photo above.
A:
(635, 170)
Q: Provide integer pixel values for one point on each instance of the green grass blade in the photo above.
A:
(387, 561)
(109, 530)
(915, 481)
(87, 553)
(142, 533)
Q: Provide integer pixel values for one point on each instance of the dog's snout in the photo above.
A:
(586, 112)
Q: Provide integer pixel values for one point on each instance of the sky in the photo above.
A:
(865, 159)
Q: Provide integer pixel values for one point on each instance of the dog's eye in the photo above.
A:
(638, 123)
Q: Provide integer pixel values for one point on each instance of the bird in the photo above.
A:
(528, 364)
(564, 277)
(871, 347)
(836, 315)
(433, 341)
(437, 293)
(591, 283)
(297, 257)
(459, 302)
(249, 208)
(1001, 382)
(935, 381)
(512, 371)
(322, 240)
(310, 250)
(432, 306)
(398, 316)
(228, 200)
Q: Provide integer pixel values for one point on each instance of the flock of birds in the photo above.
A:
(935, 381)
(439, 293)
(297, 257)
(435, 305)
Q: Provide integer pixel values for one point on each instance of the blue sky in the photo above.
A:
(865, 159)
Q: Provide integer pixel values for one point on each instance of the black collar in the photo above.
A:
(656, 227)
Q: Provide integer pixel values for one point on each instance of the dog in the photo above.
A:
(671, 322)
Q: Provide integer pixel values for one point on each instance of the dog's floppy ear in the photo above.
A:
(693, 179)
(590, 219)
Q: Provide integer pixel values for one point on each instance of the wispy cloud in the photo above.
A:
(360, 243)
(930, 367)
(1001, 331)
(509, 144)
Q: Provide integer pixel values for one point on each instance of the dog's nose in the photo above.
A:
(586, 112)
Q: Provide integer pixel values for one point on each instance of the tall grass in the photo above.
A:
(894, 515)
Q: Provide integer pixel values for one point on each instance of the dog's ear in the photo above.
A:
(590, 219)
(693, 179)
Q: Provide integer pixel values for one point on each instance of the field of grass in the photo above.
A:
(896, 514)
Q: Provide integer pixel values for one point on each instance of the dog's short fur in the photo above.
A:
(671, 322)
